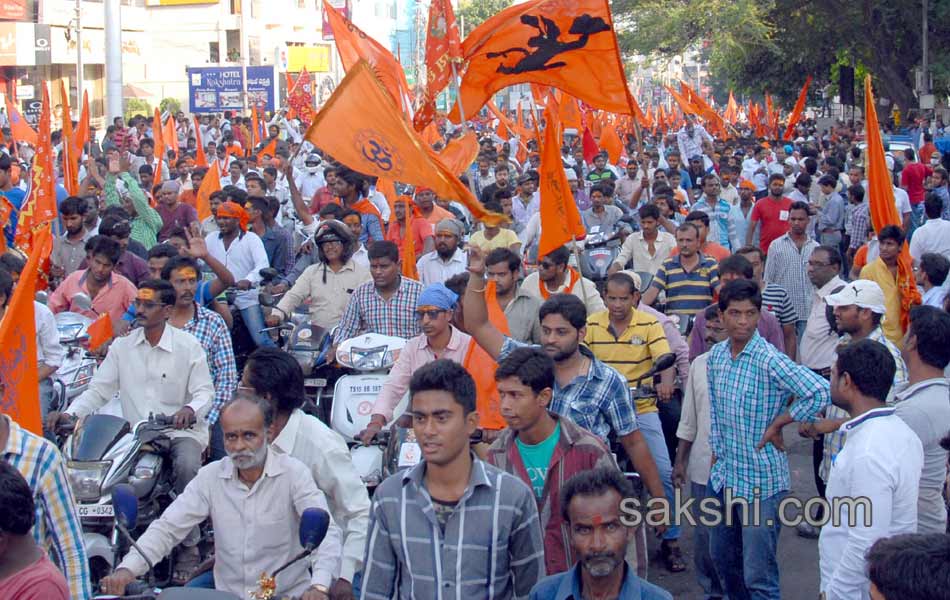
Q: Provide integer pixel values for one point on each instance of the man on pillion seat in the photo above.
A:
(254, 498)
(328, 283)
(157, 369)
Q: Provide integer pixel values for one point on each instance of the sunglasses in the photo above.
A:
(432, 314)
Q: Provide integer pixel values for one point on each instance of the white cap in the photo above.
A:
(790, 161)
(634, 276)
(861, 293)
(571, 174)
(890, 162)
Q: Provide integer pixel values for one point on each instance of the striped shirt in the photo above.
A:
(860, 225)
(787, 267)
(491, 547)
(57, 525)
(775, 300)
(368, 311)
(746, 394)
(598, 400)
(632, 351)
(213, 335)
(834, 441)
(687, 292)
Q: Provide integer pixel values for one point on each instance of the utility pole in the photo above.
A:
(113, 59)
(79, 66)
(924, 62)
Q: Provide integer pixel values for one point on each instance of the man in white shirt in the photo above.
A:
(277, 377)
(690, 138)
(447, 259)
(875, 478)
(931, 274)
(242, 252)
(310, 178)
(234, 176)
(924, 406)
(255, 498)
(934, 234)
(647, 248)
(694, 454)
(902, 202)
(756, 170)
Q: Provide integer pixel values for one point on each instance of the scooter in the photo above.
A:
(370, 356)
(104, 451)
(73, 376)
(310, 345)
(601, 247)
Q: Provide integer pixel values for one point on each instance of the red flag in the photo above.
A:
(567, 45)
(200, 159)
(100, 331)
(21, 130)
(300, 98)
(797, 111)
(39, 206)
(211, 183)
(589, 145)
(18, 363)
(881, 203)
(560, 221)
(443, 49)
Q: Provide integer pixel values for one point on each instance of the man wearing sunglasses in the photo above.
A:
(439, 339)
(157, 369)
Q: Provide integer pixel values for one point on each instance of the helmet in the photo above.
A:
(313, 159)
(334, 231)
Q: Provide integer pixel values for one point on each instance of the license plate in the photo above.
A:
(95, 510)
(315, 382)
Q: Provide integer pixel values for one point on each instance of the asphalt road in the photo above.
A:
(798, 557)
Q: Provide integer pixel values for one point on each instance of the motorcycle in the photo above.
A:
(104, 451)
(370, 356)
(310, 345)
(241, 340)
(74, 374)
(600, 250)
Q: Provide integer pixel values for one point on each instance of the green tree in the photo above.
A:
(169, 105)
(475, 12)
(137, 106)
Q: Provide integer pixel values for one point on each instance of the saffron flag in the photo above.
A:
(569, 114)
(21, 130)
(459, 154)
(81, 134)
(362, 128)
(158, 138)
(300, 98)
(797, 111)
(18, 361)
(443, 50)
(354, 46)
(255, 128)
(211, 183)
(881, 203)
(270, 150)
(610, 142)
(201, 160)
(732, 110)
(70, 163)
(100, 331)
(567, 45)
(39, 206)
(170, 137)
(560, 220)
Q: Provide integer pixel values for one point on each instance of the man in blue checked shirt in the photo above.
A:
(750, 382)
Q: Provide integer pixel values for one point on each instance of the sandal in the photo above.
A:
(187, 561)
(673, 557)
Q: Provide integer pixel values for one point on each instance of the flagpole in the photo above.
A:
(463, 121)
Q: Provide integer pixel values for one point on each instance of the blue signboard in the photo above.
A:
(216, 89)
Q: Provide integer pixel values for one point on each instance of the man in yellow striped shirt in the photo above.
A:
(630, 340)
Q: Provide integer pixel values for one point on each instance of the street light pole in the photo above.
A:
(924, 62)
(79, 66)
(113, 59)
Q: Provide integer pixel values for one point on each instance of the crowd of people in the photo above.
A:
(749, 290)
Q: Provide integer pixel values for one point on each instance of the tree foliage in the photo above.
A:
(475, 12)
(759, 45)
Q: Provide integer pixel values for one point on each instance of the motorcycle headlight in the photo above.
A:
(86, 478)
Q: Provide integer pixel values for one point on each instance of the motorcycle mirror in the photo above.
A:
(664, 362)
(314, 523)
(81, 301)
(268, 274)
(126, 505)
(42, 297)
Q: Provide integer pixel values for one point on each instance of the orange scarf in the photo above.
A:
(481, 367)
(496, 315)
(575, 277)
(907, 286)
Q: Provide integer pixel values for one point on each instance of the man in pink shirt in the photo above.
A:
(26, 572)
(439, 339)
(913, 176)
(110, 292)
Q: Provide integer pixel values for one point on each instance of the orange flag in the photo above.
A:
(200, 159)
(496, 315)
(270, 149)
(481, 366)
(354, 46)
(81, 134)
(21, 130)
(100, 331)
(387, 188)
(18, 364)
(362, 128)
(459, 154)
(39, 206)
(732, 110)
(211, 183)
(431, 135)
(255, 129)
(881, 203)
(159, 147)
(70, 164)
(567, 45)
(560, 221)
(797, 111)
(569, 114)
(610, 142)
(170, 136)
(443, 50)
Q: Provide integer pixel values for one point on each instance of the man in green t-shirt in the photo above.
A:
(541, 448)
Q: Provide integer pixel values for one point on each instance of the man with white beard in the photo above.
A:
(247, 510)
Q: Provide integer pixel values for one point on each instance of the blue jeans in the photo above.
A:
(204, 581)
(745, 552)
(216, 442)
(702, 560)
(253, 318)
(652, 431)
(916, 219)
